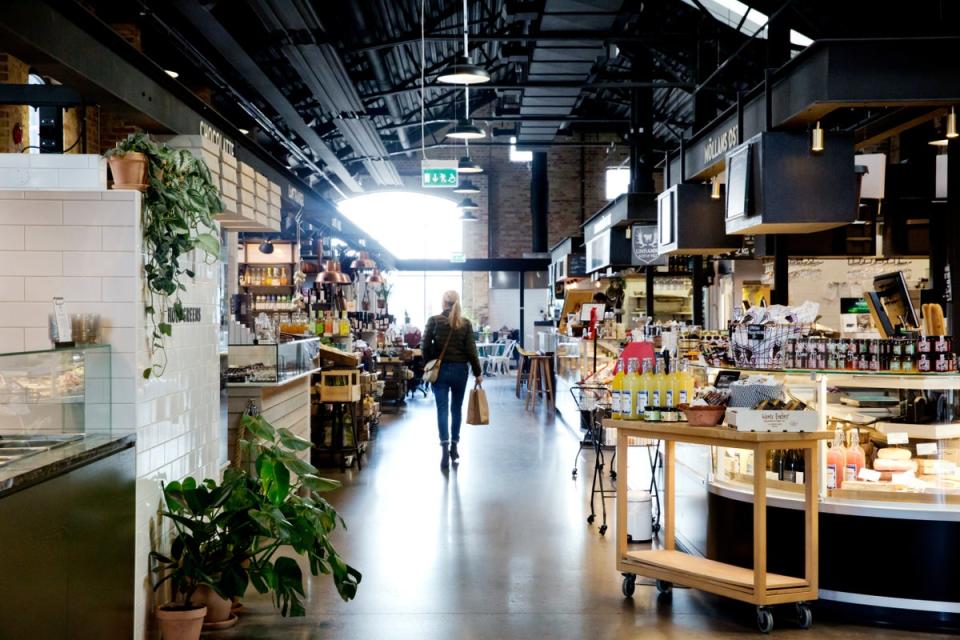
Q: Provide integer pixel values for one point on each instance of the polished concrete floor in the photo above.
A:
(497, 548)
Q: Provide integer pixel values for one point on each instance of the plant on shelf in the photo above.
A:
(283, 501)
(383, 295)
(177, 217)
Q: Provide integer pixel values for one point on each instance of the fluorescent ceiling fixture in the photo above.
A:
(171, 73)
(412, 226)
(730, 12)
(617, 182)
(243, 131)
(519, 156)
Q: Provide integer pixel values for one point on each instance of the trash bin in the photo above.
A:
(639, 516)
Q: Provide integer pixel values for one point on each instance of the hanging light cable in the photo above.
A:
(423, 98)
(462, 71)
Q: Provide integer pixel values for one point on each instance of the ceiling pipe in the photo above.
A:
(375, 58)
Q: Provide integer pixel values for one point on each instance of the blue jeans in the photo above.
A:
(452, 379)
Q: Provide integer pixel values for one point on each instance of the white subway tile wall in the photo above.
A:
(84, 246)
(53, 171)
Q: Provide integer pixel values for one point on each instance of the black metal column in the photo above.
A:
(705, 102)
(952, 268)
(641, 141)
(781, 271)
(649, 271)
(698, 284)
(539, 201)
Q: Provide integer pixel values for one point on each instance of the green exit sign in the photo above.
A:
(439, 174)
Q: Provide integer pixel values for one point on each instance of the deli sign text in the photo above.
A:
(718, 144)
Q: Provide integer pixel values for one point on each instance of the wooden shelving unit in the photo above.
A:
(669, 566)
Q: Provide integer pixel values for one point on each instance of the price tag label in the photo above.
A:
(903, 478)
(868, 475)
(927, 449)
(897, 438)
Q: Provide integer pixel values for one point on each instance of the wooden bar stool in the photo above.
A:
(523, 369)
(541, 381)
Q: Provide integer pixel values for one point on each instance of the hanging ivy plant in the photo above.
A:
(177, 218)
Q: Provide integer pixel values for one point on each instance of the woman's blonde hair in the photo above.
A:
(451, 300)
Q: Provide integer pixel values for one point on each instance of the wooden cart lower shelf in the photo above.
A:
(709, 575)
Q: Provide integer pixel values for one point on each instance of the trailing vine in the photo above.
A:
(176, 218)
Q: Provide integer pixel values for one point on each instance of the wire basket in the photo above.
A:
(762, 346)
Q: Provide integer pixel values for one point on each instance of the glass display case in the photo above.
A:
(890, 474)
(55, 395)
(262, 364)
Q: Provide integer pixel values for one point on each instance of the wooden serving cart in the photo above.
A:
(668, 565)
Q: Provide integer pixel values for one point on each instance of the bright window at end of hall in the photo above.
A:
(617, 182)
(519, 156)
(410, 225)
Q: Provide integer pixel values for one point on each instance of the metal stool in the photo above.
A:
(523, 369)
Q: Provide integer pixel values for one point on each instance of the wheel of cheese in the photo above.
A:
(894, 453)
(894, 465)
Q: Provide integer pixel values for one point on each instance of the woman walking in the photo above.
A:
(449, 337)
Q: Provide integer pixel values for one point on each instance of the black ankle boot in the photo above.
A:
(454, 454)
(445, 460)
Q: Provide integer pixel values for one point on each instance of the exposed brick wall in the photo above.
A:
(13, 71)
(72, 127)
(113, 128)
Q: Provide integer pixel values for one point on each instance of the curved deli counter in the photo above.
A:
(889, 540)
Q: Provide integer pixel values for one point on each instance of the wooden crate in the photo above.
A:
(340, 385)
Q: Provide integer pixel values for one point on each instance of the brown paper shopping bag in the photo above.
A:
(477, 410)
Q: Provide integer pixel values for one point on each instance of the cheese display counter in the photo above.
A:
(890, 477)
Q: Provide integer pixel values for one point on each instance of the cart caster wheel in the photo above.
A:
(764, 620)
(804, 615)
(603, 529)
(664, 587)
(574, 474)
(613, 475)
(590, 519)
(656, 528)
(629, 585)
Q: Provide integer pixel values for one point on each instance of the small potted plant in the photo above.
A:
(128, 166)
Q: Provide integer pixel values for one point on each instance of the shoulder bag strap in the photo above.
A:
(445, 345)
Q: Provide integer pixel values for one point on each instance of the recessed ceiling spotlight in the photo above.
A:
(171, 73)
(243, 131)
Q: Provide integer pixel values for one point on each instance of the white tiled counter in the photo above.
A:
(52, 171)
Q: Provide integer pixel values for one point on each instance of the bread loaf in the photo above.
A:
(894, 453)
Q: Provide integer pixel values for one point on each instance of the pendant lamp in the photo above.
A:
(466, 165)
(467, 204)
(463, 71)
(376, 277)
(363, 262)
(330, 275)
(468, 216)
(466, 130)
(467, 187)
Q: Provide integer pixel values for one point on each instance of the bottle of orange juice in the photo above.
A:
(616, 393)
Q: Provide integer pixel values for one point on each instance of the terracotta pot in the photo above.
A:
(129, 171)
(180, 624)
(218, 609)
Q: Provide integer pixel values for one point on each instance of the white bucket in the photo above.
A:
(639, 516)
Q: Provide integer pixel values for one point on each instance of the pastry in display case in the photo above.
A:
(259, 364)
(48, 398)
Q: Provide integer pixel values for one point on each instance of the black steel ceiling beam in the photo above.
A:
(550, 36)
(39, 95)
(552, 84)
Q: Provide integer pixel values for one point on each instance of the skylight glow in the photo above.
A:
(410, 225)
(731, 12)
